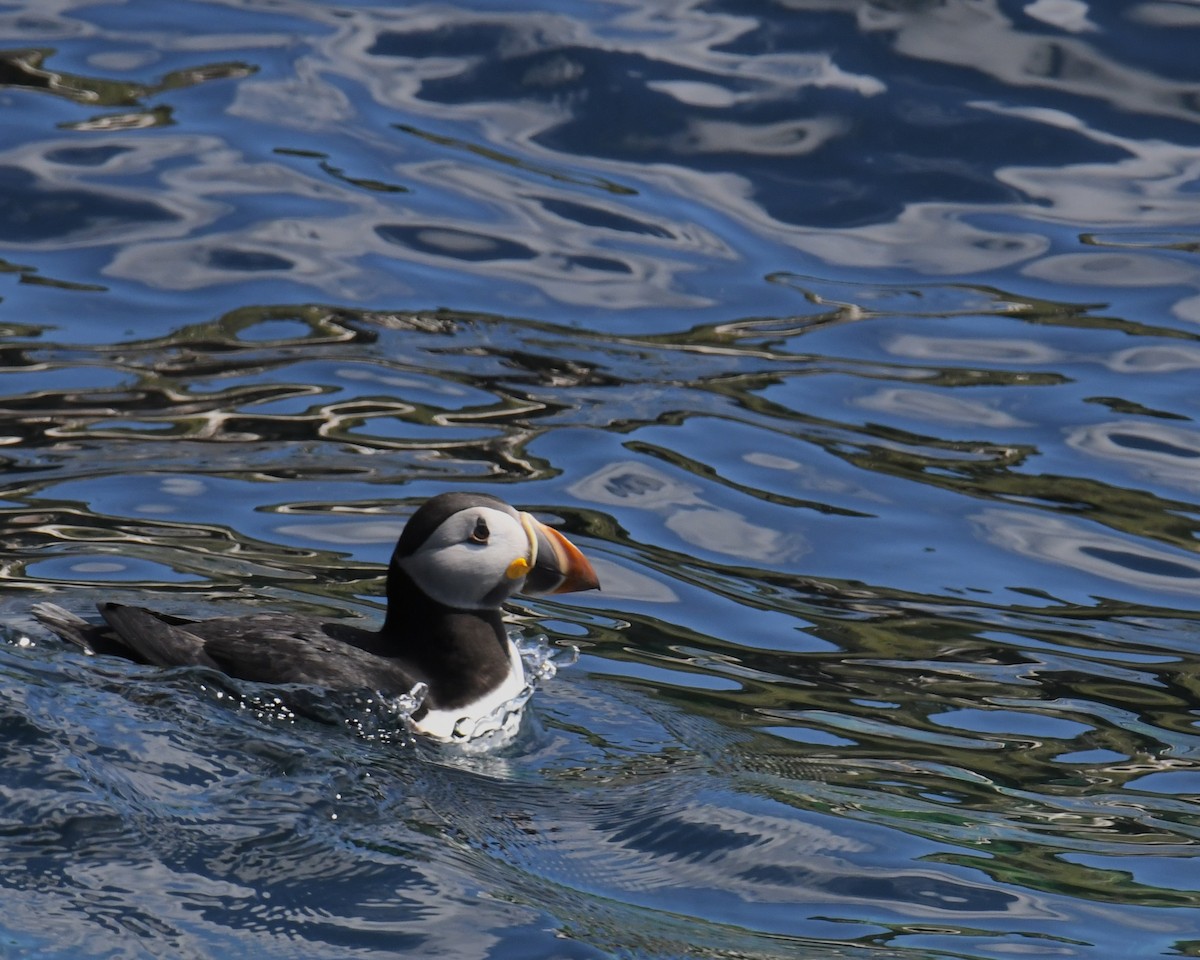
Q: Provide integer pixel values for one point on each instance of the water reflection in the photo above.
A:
(923, 405)
(1163, 453)
(789, 168)
(536, 88)
(28, 69)
(690, 517)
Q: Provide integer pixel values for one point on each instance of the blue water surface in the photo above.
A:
(855, 342)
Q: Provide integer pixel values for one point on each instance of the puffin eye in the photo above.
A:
(480, 533)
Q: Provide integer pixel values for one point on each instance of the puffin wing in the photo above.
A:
(103, 638)
(162, 641)
(266, 648)
(279, 648)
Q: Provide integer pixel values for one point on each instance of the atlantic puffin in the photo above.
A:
(459, 557)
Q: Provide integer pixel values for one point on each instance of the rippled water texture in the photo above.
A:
(856, 342)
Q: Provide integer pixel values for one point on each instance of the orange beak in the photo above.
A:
(558, 565)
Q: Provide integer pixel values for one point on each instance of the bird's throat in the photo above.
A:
(464, 654)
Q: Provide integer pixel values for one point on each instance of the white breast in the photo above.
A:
(498, 711)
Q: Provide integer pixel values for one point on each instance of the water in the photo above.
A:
(856, 344)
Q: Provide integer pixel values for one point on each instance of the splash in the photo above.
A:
(541, 661)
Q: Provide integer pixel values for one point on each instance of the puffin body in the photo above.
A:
(458, 559)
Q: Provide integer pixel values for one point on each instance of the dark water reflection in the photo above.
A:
(856, 343)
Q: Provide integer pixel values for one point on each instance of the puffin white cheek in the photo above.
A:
(471, 575)
(453, 576)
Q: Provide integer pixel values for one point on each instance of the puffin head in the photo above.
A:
(472, 551)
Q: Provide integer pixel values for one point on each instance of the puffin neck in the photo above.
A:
(463, 654)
